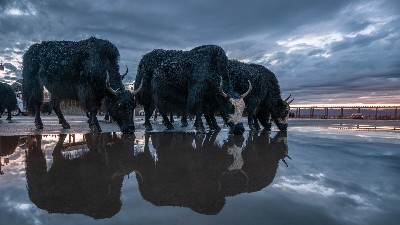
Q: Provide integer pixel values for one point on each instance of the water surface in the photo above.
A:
(308, 175)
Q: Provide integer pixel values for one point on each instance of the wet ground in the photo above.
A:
(318, 172)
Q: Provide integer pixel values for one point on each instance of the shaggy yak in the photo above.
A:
(8, 99)
(86, 71)
(263, 103)
(184, 81)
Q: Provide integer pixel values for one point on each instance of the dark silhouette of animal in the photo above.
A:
(198, 172)
(87, 183)
(8, 99)
(257, 164)
(8, 144)
(182, 81)
(262, 103)
(86, 71)
(146, 68)
(185, 174)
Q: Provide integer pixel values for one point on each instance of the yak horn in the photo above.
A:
(139, 88)
(248, 90)
(220, 89)
(288, 97)
(290, 101)
(123, 75)
(109, 89)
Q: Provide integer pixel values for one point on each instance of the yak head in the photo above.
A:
(120, 105)
(232, 108)
(280, 113)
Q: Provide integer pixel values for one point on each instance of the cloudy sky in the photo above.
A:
(322, 51)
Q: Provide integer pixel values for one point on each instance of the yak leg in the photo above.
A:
(57, 156)
(57, 110)
(184, 121)
(211, 121)
(148, 112)
(93, 123)
(195, 105)
(256, 124)
(198, 124)
(38, 120)
(171, 117)
(264, 118)
(8, 114)
(208, 120)
(214, 122)
(166, 121)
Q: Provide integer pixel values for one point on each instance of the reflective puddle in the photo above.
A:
(327, 177)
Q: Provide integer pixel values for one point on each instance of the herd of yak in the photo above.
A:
(201, 81)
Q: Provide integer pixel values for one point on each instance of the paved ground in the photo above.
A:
(24, 125)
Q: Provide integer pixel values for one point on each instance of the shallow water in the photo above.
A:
(312, 174)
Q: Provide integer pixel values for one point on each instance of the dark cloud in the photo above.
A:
(307, 44)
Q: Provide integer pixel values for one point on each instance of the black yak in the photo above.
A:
(8, 99)
(262, 103)
(265, 101)
(146, 68)
(86, 71)
(88, 182)
(182, 81)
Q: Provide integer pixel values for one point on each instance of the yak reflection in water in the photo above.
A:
(191, 170)
(88, 184)
(8, 144)
(195, 172)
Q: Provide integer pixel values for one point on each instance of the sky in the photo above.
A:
(321, 51)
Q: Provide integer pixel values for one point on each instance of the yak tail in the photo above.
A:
(32, 93)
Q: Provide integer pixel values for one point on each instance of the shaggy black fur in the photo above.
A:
(77, 71)
(262, 103)
(146, 69)
(265, 100)
(8, 99)
(182, 81)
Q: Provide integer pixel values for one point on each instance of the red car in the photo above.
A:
(357, 116)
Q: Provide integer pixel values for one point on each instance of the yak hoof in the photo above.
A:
(148, 127)
(267, 129)
(200, 129)
(39, 126)
(95, 127)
